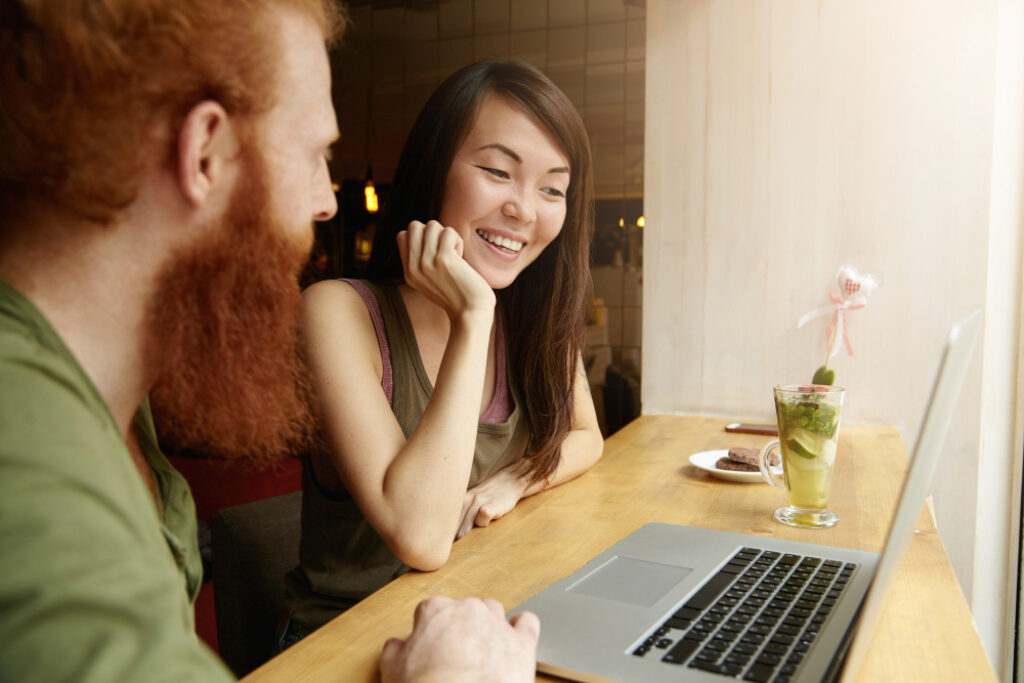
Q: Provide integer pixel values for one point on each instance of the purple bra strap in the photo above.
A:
(387, 382)
(501, 404)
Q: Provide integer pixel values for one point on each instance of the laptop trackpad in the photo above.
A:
(625, 579)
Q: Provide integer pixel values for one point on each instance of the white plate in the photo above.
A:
(706, 460)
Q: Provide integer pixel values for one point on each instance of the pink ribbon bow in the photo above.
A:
(837, 328)
(853, 291)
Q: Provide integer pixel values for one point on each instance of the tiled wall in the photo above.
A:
(621, 289)
(395, 54)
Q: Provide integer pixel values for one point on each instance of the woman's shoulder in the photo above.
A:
(337, 300)
(335, 316)
(331, 293)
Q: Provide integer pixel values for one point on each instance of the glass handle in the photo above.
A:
(762, 462)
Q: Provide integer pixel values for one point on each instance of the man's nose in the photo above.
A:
(325, 202)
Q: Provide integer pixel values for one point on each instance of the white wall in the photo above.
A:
(995, 551)
(785, 138)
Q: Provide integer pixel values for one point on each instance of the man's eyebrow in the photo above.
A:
(516, 158)
(328, 148)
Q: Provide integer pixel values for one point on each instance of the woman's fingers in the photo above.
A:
(410, 247)
(426, 247)
(429, 250)
(433, 263)
(450, 242)
(402, 238)
(465, 525)
(484, 515)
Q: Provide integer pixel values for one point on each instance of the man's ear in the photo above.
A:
(207, 144)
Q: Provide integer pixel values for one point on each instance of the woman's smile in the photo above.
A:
(503, 245)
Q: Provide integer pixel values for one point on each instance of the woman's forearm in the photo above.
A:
(425, 483)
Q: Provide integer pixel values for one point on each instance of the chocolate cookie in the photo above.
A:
(749, 456)
(727, 464)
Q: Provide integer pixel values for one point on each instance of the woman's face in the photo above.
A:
(506, 190)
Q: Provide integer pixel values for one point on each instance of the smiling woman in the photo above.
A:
(514, 205)
(459, 365)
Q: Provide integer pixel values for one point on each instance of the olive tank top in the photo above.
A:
(342, 559)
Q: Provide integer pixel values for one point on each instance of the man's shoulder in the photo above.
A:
(34, 377)
(51, 416)
(32, 354)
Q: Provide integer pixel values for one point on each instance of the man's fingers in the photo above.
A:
(526, 624)
(495, 608)
(392, 646)
(428, 607)
(390, 666)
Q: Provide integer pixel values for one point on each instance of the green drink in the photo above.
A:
(808, 418)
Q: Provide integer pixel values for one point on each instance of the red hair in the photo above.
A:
(90, 89)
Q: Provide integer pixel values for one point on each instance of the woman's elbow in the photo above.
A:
(596, 447)
(419, 552)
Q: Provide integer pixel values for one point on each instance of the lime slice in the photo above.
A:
(805, 444)
(800, 449)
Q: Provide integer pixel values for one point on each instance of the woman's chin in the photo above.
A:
(499, 280)
(496, 278)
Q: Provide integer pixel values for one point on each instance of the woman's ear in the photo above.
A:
(207, 144)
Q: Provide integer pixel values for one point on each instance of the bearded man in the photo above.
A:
(161, 167)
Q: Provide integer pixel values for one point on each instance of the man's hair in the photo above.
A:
(91, 89)
(546, 305)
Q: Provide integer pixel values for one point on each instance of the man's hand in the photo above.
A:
(466, 640)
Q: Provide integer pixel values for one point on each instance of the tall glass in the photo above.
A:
(808, 419)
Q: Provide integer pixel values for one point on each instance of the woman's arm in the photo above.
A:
(581, 448)
(411, 491)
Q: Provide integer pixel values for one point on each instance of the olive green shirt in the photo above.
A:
(94, 584)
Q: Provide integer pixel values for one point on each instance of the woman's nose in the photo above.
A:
(520, 208)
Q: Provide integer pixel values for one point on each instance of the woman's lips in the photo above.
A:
(500, 243)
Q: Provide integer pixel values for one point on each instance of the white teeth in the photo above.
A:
(504, 242)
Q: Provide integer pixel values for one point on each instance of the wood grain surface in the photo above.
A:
(925, 633)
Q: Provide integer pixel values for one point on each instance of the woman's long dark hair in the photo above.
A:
(546, 305)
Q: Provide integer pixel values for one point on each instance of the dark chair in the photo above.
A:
(253, 546)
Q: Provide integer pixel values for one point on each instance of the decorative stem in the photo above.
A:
(831, 341)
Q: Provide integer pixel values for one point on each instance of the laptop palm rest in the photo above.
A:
(632, 581)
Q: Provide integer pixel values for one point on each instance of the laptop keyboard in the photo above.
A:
(755, 619)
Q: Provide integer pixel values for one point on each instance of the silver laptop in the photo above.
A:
(677, 603)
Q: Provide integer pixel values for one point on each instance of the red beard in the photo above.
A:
(223, 332)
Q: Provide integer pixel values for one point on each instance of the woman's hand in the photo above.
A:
(492, 499)
(433, 265)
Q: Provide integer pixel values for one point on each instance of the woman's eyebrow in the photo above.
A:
(502, 148)
(516, 158)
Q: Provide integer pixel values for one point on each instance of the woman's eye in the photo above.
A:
(496, 172)
(553, 191)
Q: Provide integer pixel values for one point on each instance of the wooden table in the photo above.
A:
(925, 633)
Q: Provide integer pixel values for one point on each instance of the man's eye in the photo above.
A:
(496, 172)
